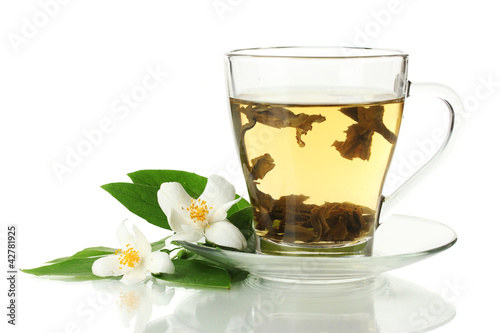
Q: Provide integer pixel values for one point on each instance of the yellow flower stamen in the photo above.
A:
(129, 257)
(198, 210)
(129, 300)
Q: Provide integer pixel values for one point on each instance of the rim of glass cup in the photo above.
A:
(316, 52)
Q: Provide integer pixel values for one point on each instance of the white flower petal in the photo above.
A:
(224, 233)
(124, 236)
(159, 262)
(172, 198)
(218, 191)
(136, 275)
(171, 195)
(187, 234)
(221, 212)
(109, 266)
(141, 244)
(177, 220)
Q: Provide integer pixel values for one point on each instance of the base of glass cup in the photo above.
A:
(359, 248)
(310, 286)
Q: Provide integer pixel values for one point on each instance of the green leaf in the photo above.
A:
(139, 199)
(183, 254)
(78, 267)
(158, 245)
(87, 253)
(238, 276)
(243, 220)
(242, 204)
(198, 274)
(192, 183)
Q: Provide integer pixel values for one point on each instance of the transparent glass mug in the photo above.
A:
(316, 129)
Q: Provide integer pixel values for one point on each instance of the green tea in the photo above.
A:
(314, 172)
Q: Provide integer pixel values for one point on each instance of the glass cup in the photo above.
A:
(316, 129)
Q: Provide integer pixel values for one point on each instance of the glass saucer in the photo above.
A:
(399, 241)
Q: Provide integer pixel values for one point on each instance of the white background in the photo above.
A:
(67, 66)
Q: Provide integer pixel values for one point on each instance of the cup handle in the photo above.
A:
(455, 105)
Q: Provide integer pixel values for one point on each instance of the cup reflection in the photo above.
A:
(382, 304)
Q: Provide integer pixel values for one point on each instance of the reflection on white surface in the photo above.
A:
(134, 303)
(384, 304)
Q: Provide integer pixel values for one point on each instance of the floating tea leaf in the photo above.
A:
(357, 144)
(279, 117)
(359, 136)
(261, 166)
